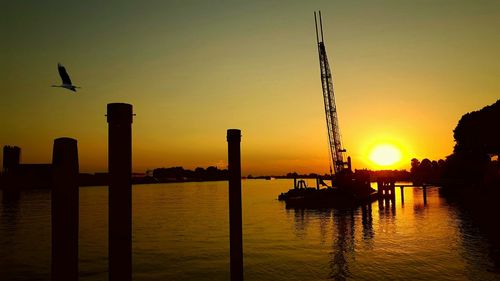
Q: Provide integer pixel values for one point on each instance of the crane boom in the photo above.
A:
(332, 123)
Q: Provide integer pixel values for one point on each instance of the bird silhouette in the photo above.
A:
(66, 81)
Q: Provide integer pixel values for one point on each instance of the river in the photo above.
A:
(180, 232)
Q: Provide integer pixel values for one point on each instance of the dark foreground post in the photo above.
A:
(120, 191)
(65, 210)
(235, 222)
(425, 194)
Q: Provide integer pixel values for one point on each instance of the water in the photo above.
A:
(180, 232)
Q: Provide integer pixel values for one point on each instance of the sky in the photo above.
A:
(404, 73)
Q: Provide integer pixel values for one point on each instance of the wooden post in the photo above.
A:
(425, 194)
(64, 212)
(235, 220)
(120, 191)
(402, 195)
(393, 190)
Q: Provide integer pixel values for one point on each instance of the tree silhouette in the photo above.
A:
(477, 138)
(478, 132)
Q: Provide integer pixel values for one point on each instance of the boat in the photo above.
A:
(349, 190)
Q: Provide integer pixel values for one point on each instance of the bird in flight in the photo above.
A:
(66, 81)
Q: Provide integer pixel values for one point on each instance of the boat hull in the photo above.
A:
(328, 197)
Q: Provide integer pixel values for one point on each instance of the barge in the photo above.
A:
(348, 190)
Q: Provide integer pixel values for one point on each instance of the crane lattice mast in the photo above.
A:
(336, 150)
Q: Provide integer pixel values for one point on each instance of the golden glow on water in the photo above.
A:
(180, 232)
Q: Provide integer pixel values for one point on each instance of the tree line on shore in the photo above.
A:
(474, 161)
(211, 173)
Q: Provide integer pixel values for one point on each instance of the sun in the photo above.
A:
(385, 155)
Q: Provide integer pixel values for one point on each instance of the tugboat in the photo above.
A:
(348, 189)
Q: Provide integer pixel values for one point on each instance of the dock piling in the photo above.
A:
(392, 187)
(235, 219)
(119, 117)
(64, 210)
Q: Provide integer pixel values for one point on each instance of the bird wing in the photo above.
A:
(64, 75)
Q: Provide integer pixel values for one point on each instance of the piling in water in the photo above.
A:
(64, 210)
(119, 116)
(235, 221)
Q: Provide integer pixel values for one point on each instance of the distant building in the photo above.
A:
(11, 157)
(23, 176)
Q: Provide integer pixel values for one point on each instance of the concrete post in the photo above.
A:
(119, 117)
(64, 212)
(235, 220)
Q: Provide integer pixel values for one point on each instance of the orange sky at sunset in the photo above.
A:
(404, 73)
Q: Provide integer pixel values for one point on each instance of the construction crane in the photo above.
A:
(332, 122)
